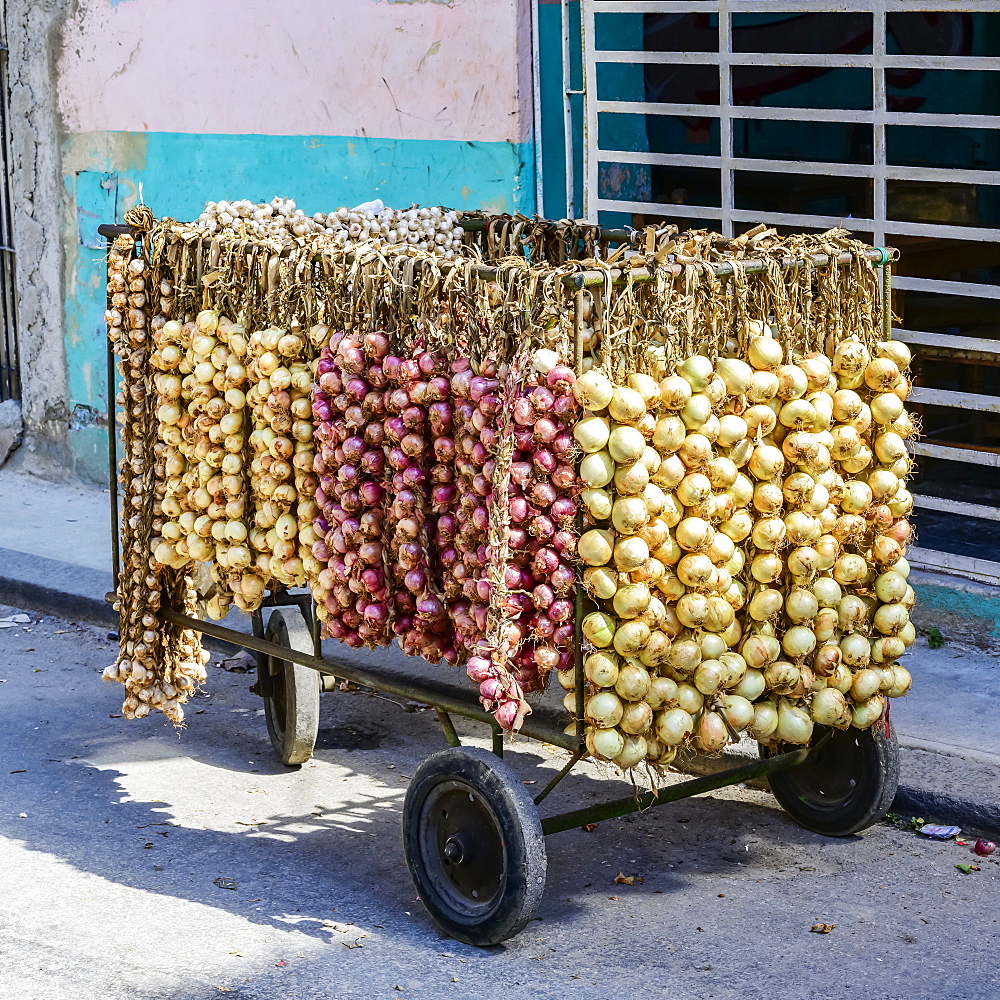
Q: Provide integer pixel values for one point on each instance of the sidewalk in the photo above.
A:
(55, 558)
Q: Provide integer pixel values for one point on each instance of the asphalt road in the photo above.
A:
(113, 834)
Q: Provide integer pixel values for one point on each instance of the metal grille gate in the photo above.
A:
(10, 381)
(625, 57)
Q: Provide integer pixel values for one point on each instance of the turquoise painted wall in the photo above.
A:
(180, 172)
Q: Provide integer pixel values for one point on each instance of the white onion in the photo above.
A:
(738, 526)
(631, 600)
(792, 382)
(801, 605)
(628, 515)
(890, 619)
(601, 581)
(604, 709)
(627, 406)
(598, 502)
(597, 469)
(803, 562)
(599, 629)
(732, 428)
(629, 553)
(593, 390)
(662, 693)
(767, 567)
(606, 743)
(596, 546)
(765, 604)
(671, 471)
(675, 391)
(647, 387)
(601, 668)
(696, 411)
(764, 353)
(768, 533)
(765, 721)
(592, 433)
(673, 727)
(696, 371)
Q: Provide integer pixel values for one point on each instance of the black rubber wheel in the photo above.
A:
(292, 709)
(846, 786)
(474, 845)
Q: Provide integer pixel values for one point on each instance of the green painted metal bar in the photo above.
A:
(451, 702)
(498, 740)
(635, 803)
(567, 767)
(450, 733)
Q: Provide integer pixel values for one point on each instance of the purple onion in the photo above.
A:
(561, 610)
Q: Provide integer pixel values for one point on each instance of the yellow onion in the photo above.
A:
(630, 480)
(711, 734)
(636, 719)
(662, 693)
(794, 723)
(752, 685)
(866, 713)
(692, 610)
(696, 371)
(798, 641)
(850, 570)
(604, 709)
(766, 462)
(630, 553)
(599, 629)
(597, 469)
(738, 526)
(768, 533)
(855, 651)
(764, 353)
(675, 391)
(605, 743)
(765, 721)
(902, 682)
(601, 668)
(674, 726)
(596, 546)
(732, 428)
(671, 471)
(684, 655)
(669, 434)
(765, 604)
(760, 418)
(601, 581)
(829, 708)
(598, 502)
(630, 637)
(767, 567)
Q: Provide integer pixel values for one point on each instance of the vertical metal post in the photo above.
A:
(887, 300)
(725, 118)
(588, 29)
(536, 100)
(578, 593)
(497, 740)
(113, 463)
(879, 207)
(10, 365)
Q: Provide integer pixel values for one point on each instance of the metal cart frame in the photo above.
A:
(489, 839)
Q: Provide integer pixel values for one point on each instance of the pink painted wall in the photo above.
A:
(416, 69)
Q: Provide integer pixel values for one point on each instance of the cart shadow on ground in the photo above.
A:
(299, 868)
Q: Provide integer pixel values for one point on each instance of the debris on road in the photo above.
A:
(984, 848)
(937, 832)
(225, 883)
(821, 928)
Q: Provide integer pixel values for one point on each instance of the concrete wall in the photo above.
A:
(330, 103)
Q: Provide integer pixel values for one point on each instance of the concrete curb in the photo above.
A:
(56, 588)
(77, 593)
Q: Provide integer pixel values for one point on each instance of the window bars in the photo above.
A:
(701, 66)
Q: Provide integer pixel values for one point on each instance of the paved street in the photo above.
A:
(109, 876)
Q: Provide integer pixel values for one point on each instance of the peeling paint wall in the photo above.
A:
(32, 29)
(423, 101)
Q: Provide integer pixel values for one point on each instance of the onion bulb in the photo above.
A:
(765, 721)
(593, 390)
(592, 433)
(601, 668)
(674, 726)
(599, 629)
(794, 723)
(604, 709)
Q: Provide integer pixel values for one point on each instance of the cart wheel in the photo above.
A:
(292, 709)
(474, 845)
(845, 787)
